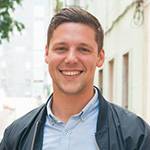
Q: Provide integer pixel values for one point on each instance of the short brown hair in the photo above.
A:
(77, 15)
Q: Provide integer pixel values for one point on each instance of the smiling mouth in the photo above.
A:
(71, 73)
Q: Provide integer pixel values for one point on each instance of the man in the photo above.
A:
(76, 116)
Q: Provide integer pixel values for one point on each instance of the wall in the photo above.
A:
(125, 37)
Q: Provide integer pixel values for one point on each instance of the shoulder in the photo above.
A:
(16, 128)
(120, 115)
(124, 126)
(132, 127)
(126, 117)
(14, 132)
(27, 118)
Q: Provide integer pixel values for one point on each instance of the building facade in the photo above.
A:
(23, 72)
(125, 76)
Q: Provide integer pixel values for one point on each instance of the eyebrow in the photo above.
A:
(60, 43)
(64, 43)
(86, 45)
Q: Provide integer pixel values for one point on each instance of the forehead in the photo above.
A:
(73, 34)
(74, 29)
(77, 24)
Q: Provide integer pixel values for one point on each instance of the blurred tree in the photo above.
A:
(7, 22)
(59, 5)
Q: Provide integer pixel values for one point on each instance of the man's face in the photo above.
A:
(72, 57)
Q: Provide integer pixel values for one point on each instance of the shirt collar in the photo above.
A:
(92, 104)
(50, 113)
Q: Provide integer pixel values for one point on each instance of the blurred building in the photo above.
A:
(23, 72)
(125, 76)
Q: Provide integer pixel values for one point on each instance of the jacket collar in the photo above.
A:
(102, 130)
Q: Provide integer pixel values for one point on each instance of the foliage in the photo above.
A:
(59, 5)
(7, 22)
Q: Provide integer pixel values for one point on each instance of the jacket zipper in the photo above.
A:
(34, 135)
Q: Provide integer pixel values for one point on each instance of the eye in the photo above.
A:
(84, 50)
(60, 49)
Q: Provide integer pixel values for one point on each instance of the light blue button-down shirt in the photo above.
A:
(77, 134)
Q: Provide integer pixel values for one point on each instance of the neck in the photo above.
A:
(64, 105)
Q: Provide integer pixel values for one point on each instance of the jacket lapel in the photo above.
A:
(102, 131)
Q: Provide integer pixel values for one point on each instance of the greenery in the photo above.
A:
(59, 5)
(7, 22)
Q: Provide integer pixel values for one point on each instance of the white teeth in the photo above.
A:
(71, 73)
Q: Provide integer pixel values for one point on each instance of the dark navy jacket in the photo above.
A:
(117, 129)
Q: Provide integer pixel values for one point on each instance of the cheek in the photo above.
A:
(53, 59)
(91, 68)
(90, 62)
(53, 63)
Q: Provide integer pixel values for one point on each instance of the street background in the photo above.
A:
(124, 78)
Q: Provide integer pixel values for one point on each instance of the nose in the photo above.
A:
(71, 56)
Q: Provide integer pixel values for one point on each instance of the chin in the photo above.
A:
(73, 90)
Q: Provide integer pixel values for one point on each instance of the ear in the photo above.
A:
(101, 57)
(46, 54)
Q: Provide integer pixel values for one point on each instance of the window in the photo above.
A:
(125, 77)
(111, 78)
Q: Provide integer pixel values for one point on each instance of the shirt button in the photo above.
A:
(67, 132)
